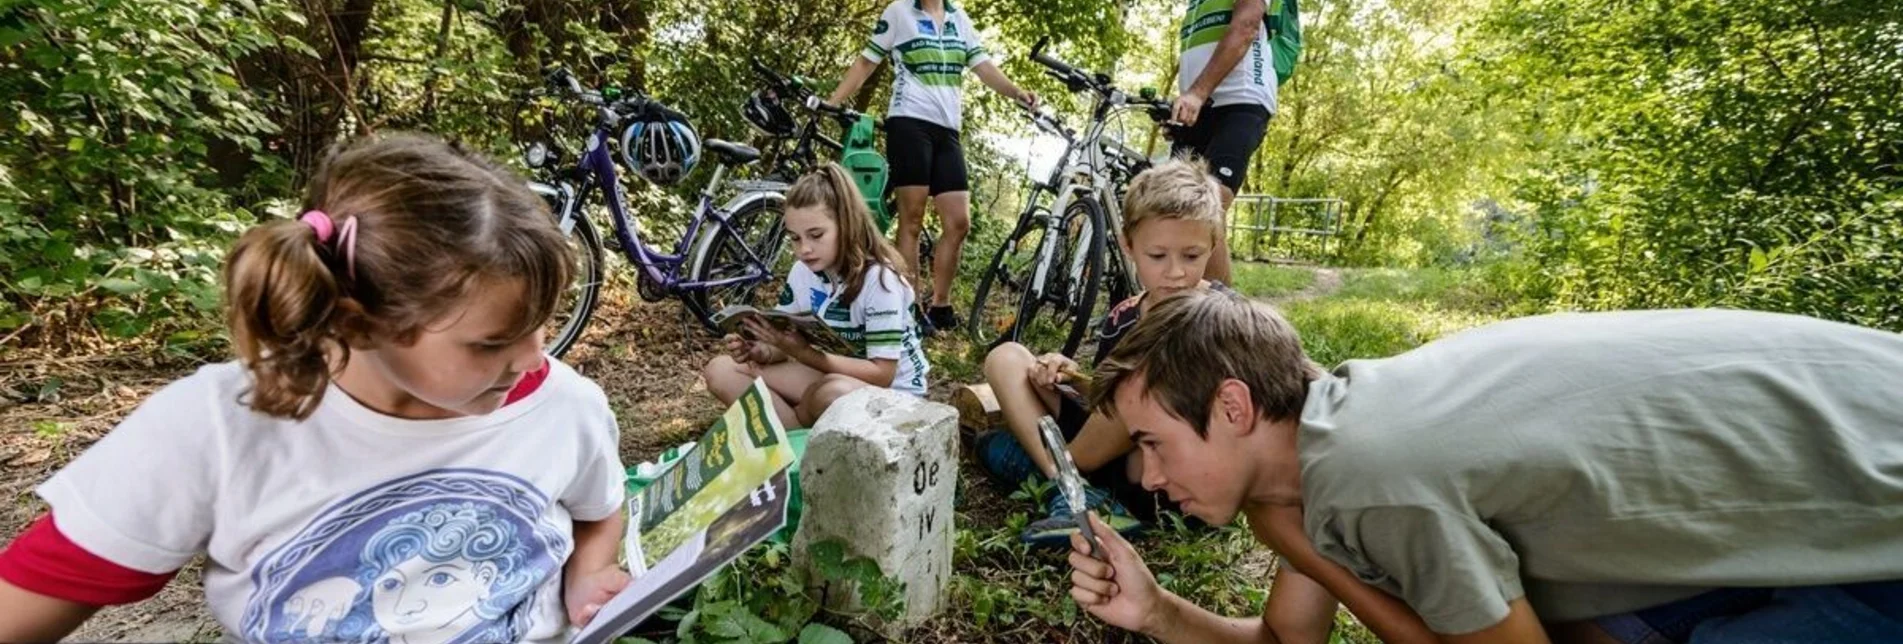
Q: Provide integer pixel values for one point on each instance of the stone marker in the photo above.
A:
(879, 473)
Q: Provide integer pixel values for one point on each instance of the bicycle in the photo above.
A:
(1058, 263)
(794, 148)
(700, 270)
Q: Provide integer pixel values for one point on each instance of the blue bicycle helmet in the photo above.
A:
(661, 150)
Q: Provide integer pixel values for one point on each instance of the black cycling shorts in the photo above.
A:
(1225, 137)
(923, 153)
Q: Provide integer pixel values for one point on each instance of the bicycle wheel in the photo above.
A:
(723, 256)
(1004, 287)
(577, 305)
(1083, 227)
(1116, 286)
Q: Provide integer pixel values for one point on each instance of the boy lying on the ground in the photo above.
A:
(1692, 475)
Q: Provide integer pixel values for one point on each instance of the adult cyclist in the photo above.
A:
(1226, 94)
(932, 44)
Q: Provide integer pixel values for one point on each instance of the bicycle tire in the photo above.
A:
(587, 285)
(1117, 286)
(1004, 274)
(1081, 309)
(764, 222)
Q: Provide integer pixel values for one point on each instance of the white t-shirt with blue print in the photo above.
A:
(352, 525)
(879, 321)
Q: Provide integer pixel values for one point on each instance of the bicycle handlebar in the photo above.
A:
(846, 115)
(632, 104)
(1048, 122)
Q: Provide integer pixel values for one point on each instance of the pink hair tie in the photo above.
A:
(320, 222)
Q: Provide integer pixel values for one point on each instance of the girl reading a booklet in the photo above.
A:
(390, 457)
(847, 275)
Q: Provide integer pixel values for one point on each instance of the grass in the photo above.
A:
(1268, 280)
(1382, 312)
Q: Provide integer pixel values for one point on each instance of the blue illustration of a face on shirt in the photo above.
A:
(452, 556)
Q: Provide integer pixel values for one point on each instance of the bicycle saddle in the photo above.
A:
(731, 153)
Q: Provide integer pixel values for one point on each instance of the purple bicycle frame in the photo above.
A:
(663, 268)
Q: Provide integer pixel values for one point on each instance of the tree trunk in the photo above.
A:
(1396, 177)
(442, 45)
(627, 22)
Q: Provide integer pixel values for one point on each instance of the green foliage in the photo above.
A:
(112, 210)
(882, 597)
(1707, 153)
(764, 598)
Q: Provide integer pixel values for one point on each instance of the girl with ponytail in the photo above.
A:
(389, 373)
(847, 275)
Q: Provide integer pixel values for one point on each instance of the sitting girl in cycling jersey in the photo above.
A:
(391, 457)
(847, 275)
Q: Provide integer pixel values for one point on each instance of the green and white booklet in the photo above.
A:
(724, 496)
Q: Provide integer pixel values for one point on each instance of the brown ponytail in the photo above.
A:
(280, 300)
(860, 244)
(432, 222)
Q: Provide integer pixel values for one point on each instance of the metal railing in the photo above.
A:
(1291, 228)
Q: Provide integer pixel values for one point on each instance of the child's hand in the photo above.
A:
(1048, 370)
(587, 593)
(787, 342)
(739, 348)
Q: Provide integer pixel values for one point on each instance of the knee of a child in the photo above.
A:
(1007, 359)
(830, 388)
(718, 370)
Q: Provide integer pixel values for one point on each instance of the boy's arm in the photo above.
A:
(1101, 441)
(1298, 609)
(1390, 618)
(27, 616)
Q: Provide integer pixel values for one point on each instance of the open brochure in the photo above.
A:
(724, 496)
(822, 337)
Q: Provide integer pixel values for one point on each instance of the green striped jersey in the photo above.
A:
(929, 57)
(1250, 82)
(879, 321)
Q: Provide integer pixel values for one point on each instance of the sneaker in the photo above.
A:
(942, 317)
(1054, 531)
(1004, 459)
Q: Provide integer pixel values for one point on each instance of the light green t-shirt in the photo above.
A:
(1602, 463)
